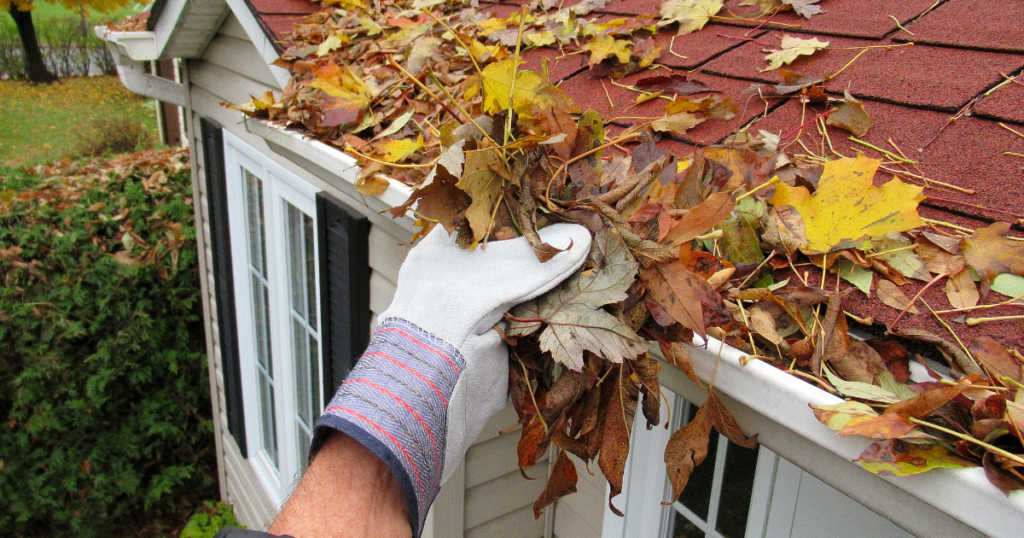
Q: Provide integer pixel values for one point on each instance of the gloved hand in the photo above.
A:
(435, 370)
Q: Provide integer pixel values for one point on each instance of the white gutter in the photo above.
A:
(130, 50)
(767, 401)
(954, 503)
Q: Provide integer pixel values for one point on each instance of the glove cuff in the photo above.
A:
(395, 403)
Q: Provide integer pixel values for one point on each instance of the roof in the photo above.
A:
(941, 102)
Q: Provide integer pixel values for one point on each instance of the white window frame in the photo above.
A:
(645, 485)
(280, 186)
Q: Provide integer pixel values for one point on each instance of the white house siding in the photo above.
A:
(495, 500)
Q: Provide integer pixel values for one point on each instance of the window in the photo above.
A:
(272, 216)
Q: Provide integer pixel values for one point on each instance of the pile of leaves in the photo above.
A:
(103, 379)
(716, 244)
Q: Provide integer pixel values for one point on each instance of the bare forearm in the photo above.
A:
(348, 492)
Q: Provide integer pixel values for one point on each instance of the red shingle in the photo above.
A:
(559, 66)
(1006, 103)
(915, 75)
(279, 27)
(698, 47)
(285, 7)
(963, 23)
(968, 154)
(857, 18)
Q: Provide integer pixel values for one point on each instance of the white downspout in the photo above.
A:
(134, 76)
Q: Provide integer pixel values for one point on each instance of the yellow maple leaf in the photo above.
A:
(540, 38)
(534, 94)
(847, 207)
(605, 46)
(792, 48)
(396, 150)
(691, 15)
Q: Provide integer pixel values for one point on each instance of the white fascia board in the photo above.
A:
(133, 76)
(146, 46)
(259, 39)
(775, 405)
(327, 163)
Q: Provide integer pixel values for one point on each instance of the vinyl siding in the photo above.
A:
(495, 500)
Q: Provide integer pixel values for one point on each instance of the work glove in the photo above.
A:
(436, 370)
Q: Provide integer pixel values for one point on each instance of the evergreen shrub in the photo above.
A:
(104, 394)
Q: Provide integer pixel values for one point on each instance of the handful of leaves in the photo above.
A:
(707, 244)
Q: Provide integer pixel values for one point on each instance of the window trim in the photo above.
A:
(280, 186)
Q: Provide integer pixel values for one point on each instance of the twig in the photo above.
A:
(565, 165)
(526, 376)
(436, 98)
(970, 439)
(611, 104)
(1008, 302)
(873, 254)
(515, 73)
(927, 180)
(949, 201)
(671, 45)
(773, 181)
(900, 26)
(967, 352)
(1013, 154)
(848, 64)
(856, 140)
(916, 297)
(738, 38)
(457, 38)
(809, 377)
(1007, 127)
(804, 124)
(971, 322)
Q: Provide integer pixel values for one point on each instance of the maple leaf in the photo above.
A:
(691, 15)
(421, 52)
(533, 93)
(851, 116)
(890, 295)
(562, 482)
(451, 160)
(680, 292)
(677, 123)
(573, 312)
(395, 150)
(792, 48)
(990, 253)
(847, 208)
(605, 46)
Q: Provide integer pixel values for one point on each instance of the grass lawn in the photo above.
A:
(45, 11)
(48, 122)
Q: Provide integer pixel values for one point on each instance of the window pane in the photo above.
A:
(304, 442)
(254, 210)
(303, 404)
(308, 246)
(684, 528)
(737, 488)
(697, 495)
(269, 428)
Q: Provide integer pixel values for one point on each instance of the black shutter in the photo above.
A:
(224, 282)
(344, 287)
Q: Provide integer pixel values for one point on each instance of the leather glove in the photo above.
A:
(435, 370)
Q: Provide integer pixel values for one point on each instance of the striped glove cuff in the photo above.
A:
(395, 403)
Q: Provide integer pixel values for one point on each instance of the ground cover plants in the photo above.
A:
(105, 396)
(77, 116)
(719, 243)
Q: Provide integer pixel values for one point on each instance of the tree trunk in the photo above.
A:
(34, 65)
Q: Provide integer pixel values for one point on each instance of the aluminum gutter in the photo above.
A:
(329, 164)
(767, 401)
(132, 71)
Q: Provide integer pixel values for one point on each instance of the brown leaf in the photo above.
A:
(677, 290)
(562, 482)
(890, 295)
(762, 321)
(994, 357)
(999, 477)
(678, 354)
(372, 185)
(647, 369)
(894, 355)
(725, 423)
(861, 363)
(835, 341)
(888, 426)
(991, 254)
(993, 407)
(702, 218)
(677, 84)
(617, 427)
(928, 401)
(851, 116)
(961, 290)
(686, 449)
(947, 348)
(533, 442)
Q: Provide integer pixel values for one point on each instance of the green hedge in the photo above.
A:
(104, 391)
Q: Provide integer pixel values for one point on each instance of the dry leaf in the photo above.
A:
(562, 482)
(890, 295)
(851, 116)
(847, 208)
(961, 290)
(990, 253)
(792, 48)
(605, 46)
(691, 15)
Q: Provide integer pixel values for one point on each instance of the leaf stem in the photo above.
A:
(773, 181)
(396, 165)
(515, 72)
(1007, 127)
(900, 26)
(965, 367)
(1008, 302)
(806, 123)
(856, 140)
(884, 252)
(457, 38)
(526, 376)
(971, 322)
(916, 297)
(1008, 455)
